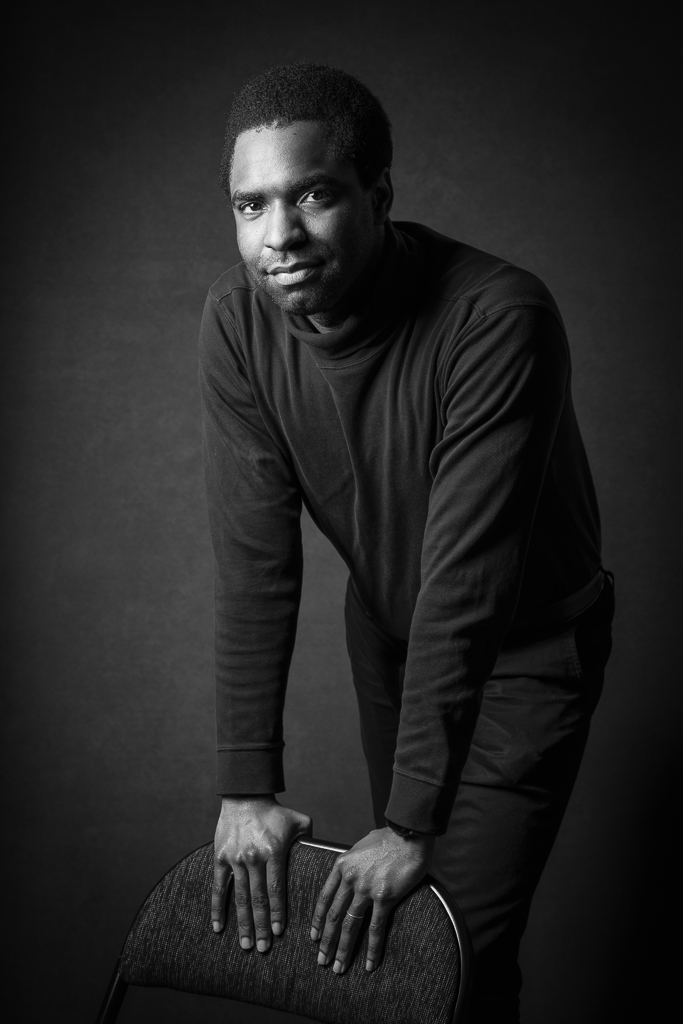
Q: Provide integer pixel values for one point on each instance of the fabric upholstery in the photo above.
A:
(172, 944)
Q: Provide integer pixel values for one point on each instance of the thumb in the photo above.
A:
(305, 825)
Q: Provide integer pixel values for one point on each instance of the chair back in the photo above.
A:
(423, 977)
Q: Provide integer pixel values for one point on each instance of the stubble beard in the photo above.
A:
(305, 300)
(329, 291)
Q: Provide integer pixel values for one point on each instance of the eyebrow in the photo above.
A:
(303, 185)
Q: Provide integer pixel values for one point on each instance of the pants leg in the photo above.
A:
(523, 761)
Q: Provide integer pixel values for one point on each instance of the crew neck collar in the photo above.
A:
(367, 329)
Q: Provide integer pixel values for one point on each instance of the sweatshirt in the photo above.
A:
(433, 440)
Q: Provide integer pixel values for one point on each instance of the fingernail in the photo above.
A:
(338, 967)
(262, 945)
(369, 965)
(245, 942)
(277, 928)
(216, 926)
(322, 958)
(314, 934)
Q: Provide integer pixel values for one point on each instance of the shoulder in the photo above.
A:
(457, 273)
(220, 336)
(237, 313)
(232, 290)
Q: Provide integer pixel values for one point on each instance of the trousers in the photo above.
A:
(523, 760)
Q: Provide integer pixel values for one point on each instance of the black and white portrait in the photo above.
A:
(342, 504)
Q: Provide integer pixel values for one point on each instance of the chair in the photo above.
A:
(423, 978)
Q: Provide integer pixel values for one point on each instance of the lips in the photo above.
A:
(293, 273)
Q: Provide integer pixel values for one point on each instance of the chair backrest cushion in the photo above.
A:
(172, 944)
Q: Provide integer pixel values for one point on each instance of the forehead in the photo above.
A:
(266, 159)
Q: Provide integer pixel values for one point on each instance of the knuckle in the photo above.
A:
(376, 927)
(275, 887)
(251, 855)
(242, 899)
(272, 847)
(259, 900)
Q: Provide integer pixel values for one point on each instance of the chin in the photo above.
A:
(300, 301)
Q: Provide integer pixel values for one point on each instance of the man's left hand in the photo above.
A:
(377, 872)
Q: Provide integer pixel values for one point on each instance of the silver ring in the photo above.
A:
(357, 917)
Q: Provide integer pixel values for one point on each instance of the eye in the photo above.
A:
(253, 207)
(317, 196)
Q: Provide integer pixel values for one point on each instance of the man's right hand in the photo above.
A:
(253, 837)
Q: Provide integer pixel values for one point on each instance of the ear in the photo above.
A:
(382, 196)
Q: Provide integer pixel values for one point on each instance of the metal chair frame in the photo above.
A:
(117, 988)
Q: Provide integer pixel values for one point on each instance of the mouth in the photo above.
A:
(293, 273)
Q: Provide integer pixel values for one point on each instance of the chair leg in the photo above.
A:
(111, 1003)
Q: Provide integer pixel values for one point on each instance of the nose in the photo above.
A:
(284, 229)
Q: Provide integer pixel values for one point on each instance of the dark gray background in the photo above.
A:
(540, 132)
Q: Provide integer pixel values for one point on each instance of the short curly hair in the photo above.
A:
(355, 120)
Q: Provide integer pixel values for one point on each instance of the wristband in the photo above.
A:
(402, 831)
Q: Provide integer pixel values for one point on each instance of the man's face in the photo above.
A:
(306, 228)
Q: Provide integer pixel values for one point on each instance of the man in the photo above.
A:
(414, 394)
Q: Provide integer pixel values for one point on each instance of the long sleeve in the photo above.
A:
(503, 388)
(254, 507)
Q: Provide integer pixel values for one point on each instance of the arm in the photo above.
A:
(254, 507)
(503, 389)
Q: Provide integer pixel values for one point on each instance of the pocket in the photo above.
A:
(554, 658)
(572, 653)
(593, 631)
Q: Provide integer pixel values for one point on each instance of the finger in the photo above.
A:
(219, 889)
(376, 933)
(260, 904)
(350, 927)
(333, 923)
(276, 883)
(245, 921)
(324, 900)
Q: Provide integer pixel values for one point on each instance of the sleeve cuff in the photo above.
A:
(419, 805)
(250, 771)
